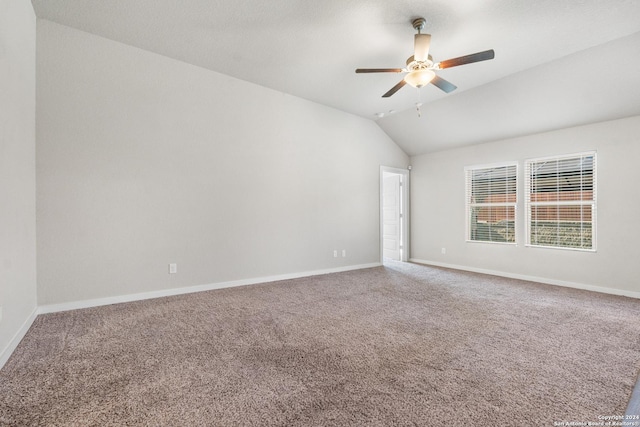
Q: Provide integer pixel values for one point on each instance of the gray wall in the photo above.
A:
(17, 168)
(438, 208)
(143, 160)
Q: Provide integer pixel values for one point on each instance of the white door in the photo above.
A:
(391, 225)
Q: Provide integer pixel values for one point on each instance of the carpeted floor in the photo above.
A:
(397, 345)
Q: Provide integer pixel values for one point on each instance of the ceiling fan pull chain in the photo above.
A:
(419, 104)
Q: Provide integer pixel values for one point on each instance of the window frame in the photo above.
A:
(468, 184)
(528, 204)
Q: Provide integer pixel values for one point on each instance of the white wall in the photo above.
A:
(17, 171)
(438, 208)
(144, 160)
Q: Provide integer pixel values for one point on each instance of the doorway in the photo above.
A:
(394, 214)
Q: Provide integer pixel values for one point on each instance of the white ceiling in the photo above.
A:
(558, 63)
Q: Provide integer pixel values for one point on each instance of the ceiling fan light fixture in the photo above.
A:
(419, 78)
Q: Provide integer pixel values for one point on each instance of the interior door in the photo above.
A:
(391, 216)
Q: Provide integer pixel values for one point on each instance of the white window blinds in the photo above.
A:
(491, 197)
(560, 201)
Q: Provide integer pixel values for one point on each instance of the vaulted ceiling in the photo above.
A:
(558, 63)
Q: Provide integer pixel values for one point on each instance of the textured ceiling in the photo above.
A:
(548, 53)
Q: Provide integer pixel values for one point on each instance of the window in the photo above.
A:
(491, 197)
(561, 201)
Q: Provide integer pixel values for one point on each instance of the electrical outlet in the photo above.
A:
(344, 253)
(443, 250)
(335, 253)
(173, 268)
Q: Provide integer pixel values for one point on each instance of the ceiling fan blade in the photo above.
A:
(395, 89)
(443, 85)
(421, 43)
(379, 70)
(467, 59)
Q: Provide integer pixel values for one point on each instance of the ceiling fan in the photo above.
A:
(420, 66)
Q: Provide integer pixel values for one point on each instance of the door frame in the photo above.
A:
(404, 201)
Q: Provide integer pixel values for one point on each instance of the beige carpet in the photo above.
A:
(399, 345)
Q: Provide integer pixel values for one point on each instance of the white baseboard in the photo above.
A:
(53, 308)
(6, 353)
(74, 305)
(544, 280)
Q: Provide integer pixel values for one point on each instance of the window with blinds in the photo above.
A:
(491, 197)
(560, 201)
